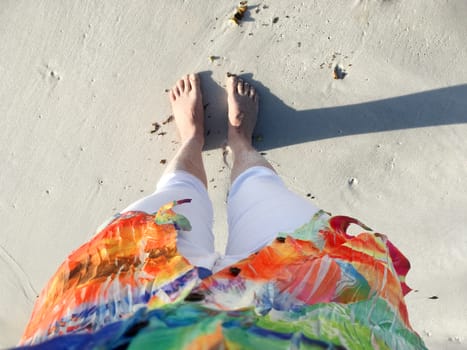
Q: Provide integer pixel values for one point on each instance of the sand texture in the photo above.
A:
(84, 81)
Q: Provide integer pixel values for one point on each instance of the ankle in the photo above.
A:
(196, 141)
(240, 143)
(238, 133)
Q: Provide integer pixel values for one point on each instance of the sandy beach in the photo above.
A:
(84, 82)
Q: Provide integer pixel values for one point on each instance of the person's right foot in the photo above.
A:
(187, 106)
(242, 100)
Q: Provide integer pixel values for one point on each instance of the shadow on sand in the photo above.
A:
(280, 125)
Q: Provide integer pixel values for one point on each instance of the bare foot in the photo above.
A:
(242, 101)
(187, 105)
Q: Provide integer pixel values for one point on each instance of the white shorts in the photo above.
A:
(259, 206)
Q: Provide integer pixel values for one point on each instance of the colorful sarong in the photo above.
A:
(315, 288)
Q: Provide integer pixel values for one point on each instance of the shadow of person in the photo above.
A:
(215, 110)
(280, 125)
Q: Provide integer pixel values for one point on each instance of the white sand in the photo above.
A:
(83, 81)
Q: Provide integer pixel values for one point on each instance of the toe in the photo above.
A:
(241, 87)
(187, 83)
(175, 91)
(172, 95)
(246, 89)
(181, 86)
(252, 93)
(231, 84)
(194, 81)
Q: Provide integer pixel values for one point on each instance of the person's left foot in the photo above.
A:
(242, 100)
(187, 105)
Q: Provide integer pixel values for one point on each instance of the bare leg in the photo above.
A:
(198, 244)
(242, 101)
(187, 107)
